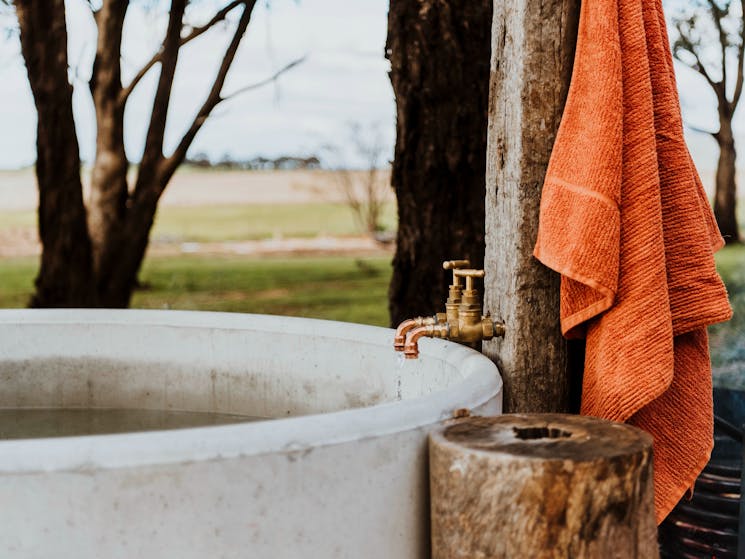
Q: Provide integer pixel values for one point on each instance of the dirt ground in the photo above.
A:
(194, 188)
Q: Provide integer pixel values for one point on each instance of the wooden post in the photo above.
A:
(541, 486)
(532, 53)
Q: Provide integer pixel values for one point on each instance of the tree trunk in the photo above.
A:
(125, 253)
(541, 486)
(96, 263)
(65, 276)
(532, 53)
(439, 54)
(108, 195)
(725, 199)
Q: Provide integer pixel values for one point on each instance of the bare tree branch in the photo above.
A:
(153, 152)
(213, 98)
(698, 67)
(193, 34)
(685, 44)
(95, 10)
(218, 17)
(270, 79)
(716, 15)
(740, 60)
(693, 128)
(127, 91)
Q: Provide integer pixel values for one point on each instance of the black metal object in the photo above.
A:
(741, 541)
(707, 525)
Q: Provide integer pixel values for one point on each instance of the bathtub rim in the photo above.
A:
(481, 384)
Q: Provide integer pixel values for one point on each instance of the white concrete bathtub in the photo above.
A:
(342, 474)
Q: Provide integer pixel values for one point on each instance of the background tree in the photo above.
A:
(91, 254)
(439, 52)
(362, 184)
(709, 37)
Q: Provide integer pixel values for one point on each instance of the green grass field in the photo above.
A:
(335, 288)
(728, 339)
(259, 221)
(17, 281)
(238, 223)
(348, 289)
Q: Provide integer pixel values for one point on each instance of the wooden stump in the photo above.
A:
(541, 486)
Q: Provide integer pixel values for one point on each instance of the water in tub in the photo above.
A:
(37, 423)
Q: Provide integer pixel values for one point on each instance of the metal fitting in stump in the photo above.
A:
(541, 486)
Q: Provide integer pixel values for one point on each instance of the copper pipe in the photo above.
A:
(407, 325)
(411, 347)
(400, 339)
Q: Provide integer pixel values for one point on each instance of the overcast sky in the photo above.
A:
(343, 80)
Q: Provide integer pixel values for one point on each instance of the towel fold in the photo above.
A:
(625, 220)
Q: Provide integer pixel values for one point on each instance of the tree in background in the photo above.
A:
(91, 254)
(709, 37)
(439, 52)
(363, 185)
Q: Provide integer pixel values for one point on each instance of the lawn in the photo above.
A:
(728, 339)
(238, 222)
(335, 288)
(259, 221)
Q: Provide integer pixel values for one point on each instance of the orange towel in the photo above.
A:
(625, 220)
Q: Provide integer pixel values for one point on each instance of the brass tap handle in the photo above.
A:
(469, 274)
(455, 265)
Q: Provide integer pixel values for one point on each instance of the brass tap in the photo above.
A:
(462, 321)
(451, 306)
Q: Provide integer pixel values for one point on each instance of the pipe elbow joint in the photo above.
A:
(411, 346)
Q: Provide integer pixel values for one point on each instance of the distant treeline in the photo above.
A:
(284, 163)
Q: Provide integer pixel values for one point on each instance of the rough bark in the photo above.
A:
(65, 276)
(96, 263)
(123, 256)
(108, 194)
(120, 258)
(541, 486)
(532, 53)
(439, 54)
(725, 197)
